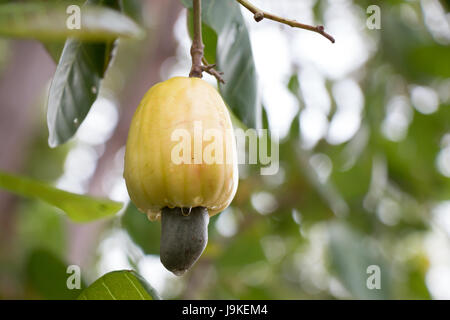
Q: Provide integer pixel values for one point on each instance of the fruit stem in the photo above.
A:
(260, 15)
(197, 42)
(199, 63)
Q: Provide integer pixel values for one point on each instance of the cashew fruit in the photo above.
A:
(179, 126)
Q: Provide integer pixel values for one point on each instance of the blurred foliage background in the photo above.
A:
(364, 175)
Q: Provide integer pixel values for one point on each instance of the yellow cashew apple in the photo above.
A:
(181, 155)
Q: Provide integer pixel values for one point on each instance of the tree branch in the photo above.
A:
(197, 42)
(199, 63)
(259, 15)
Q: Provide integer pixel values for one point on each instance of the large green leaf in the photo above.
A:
(79, 208)
(47, 22)
(131, 8)
(120, 285)
(74, 88)
(47, 275)
(232, 48)
(76, 83)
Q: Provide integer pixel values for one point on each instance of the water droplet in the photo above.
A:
(179, 272)
(153, 215)
(75, 121)
(186, 211)
(94, 89)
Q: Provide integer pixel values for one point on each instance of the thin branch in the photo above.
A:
(199, 63)
(259, 15)
(197, 42)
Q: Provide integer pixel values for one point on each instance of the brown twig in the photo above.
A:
(259, 15)
(209, 68)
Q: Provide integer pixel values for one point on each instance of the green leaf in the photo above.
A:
(351, 255)
(76, 84)
(55, 48)
(74, 88)
(79, 208)
(47, 22)
(234, 57)
(47, 275)
(144, 233)
(120, 285)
